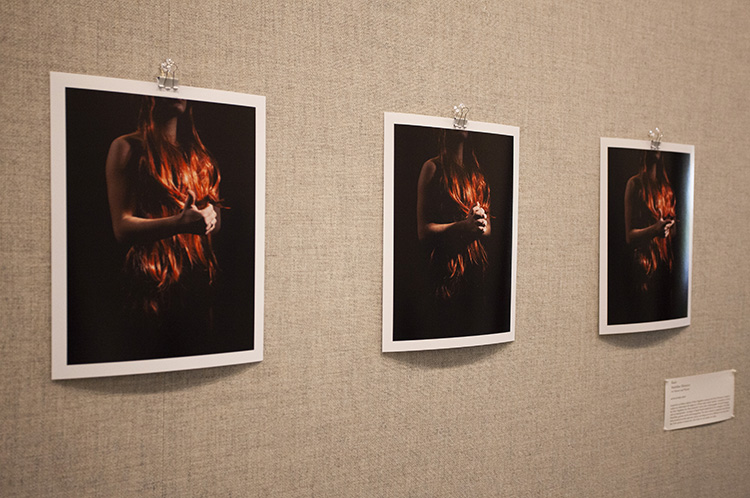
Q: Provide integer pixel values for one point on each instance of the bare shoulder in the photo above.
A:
(428, 169)
(633, 185)
(121, 150)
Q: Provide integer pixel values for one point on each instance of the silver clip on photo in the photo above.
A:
(167, 79)
(459, 116)
(655, 135)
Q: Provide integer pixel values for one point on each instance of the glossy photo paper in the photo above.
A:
(450, 224)
(646, 233)
(157, 227)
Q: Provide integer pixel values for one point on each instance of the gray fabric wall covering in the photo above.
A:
(559, 412)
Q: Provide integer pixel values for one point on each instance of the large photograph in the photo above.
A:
(646, 227)
(157, 227)
(450, 224)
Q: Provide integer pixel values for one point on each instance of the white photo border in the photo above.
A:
(391, 119)
(59, 82)
(621, 143)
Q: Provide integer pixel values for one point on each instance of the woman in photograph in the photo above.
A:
(453, 206)
(163, 191)
(649, 228)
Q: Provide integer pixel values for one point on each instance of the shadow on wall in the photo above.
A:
(157, 382)
(641, 339)
(447, 358)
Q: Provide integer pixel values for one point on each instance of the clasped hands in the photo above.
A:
(476, 220)
(198, 221)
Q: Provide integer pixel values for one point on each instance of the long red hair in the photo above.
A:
(464, 182)
(165, 172)
(657, 195)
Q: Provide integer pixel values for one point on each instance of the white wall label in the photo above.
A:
(698, 400)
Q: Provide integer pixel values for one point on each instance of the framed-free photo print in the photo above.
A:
(646, 233)
(450, 225)
(157, 212)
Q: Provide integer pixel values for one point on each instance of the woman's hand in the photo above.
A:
(198, 221)
(476, 220)
(662, 227)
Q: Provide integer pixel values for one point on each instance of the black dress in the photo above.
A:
(650, 286)
(465, 312)
(182, 323)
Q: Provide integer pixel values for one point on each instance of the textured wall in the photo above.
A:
(559, 412)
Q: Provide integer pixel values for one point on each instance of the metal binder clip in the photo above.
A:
(655, 135)
(459, 116)
(167, 79)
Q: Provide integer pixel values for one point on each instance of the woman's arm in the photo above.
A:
(131, 229)
(640, 235)
(476, 222)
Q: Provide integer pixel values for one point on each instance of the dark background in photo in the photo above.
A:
(98, 323)
(622, 307)
(413, 316)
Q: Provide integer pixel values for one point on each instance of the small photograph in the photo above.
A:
(646, 232)
(157, 227)
(450, 224)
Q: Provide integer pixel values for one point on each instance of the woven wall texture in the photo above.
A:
(559, 412)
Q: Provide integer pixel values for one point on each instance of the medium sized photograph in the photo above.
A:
(450, 224)
(646, 228)
(157, 227)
